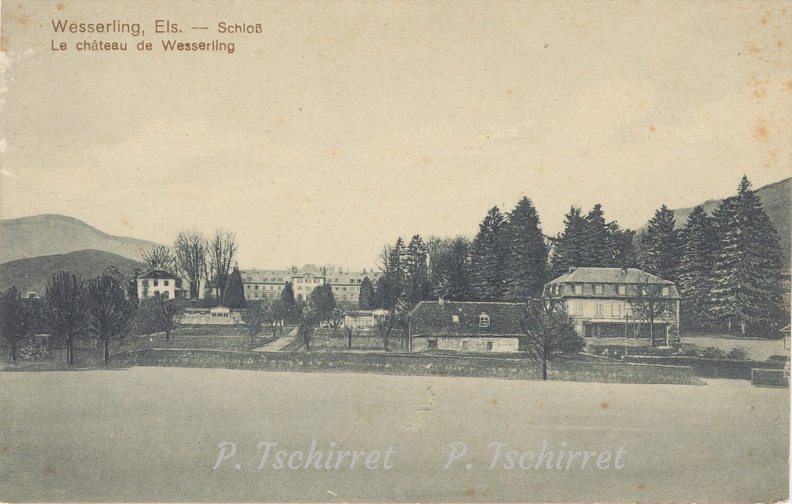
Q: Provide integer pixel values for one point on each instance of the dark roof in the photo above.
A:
(158, 274)
(437, 318)
(609, 275)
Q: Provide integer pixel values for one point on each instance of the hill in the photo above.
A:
(777, 201)
(50, 234)
(32, 274)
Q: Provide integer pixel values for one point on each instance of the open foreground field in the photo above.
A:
(152, 434)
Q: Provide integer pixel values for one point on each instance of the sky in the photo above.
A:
(343, 125)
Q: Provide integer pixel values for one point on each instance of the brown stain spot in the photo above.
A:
(509, 91)
(760, 93)
(763, 20)
(470, 492)
(761, 131)
(125, 223)
(281, 121)
(494, 401)
(425, 159)
(753, 48)
(50, 471)
(788, 85)
(779, 43)
(23, 20)
(334, 153)
(640, 487)
(5, 449)
(751, 454)
(604, 405)
(540, 406)
(60, 6)
(652, 129)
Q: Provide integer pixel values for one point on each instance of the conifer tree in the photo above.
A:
(745, 284)
(526, 263)
(698, 245)
(597, 241)
(287, 305)
(659, 253)
(569, 248)
(488, 257)
(234, 296)
(366, 296)
(416, 272)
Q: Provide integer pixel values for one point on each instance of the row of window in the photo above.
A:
(599, 289)
(616, 310)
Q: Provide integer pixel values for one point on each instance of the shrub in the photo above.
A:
(738, 353)
(32, 349)
(712, 353)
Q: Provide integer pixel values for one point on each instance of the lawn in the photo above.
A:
(152, 434)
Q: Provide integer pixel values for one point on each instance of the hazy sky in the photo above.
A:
(346, 124)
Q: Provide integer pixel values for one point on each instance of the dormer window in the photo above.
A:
(484, 320)
(455, 319)
(666, 291)
(599, 289)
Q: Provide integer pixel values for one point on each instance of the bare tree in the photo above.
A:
(191, 250)
(254, 317)
(67, 309)
(335, 319)
(350, 331)
(111, 312)
(165, 314)
(309, 319)
(549, 333)
(159, 257)
(648, 303)
(222, 249)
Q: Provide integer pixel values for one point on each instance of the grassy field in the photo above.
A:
(152, 434)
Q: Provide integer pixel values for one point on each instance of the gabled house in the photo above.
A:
(161, 282)
(616, 302)
(466, 326)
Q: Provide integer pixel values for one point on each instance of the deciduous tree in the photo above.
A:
(67, 312)
(111, 313)
(191, 250)
(222, 251)
(548, 333)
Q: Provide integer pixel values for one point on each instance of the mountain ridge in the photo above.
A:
(21, 238)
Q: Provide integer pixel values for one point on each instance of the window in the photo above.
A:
(489, 346)
(666, 291)
(247, 287)
(257, 287)
(599, 289)
(622, 290)
(616, 309)
(577, 289)
(156, 283)
(256, 295)
(455, 319)
(599, 309)
(166, 283)
(464, 345)
(484, 320)
(577, 308)
(431, 344)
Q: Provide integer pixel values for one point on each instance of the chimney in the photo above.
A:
(440, 300)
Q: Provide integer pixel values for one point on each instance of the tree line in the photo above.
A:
(727, 265)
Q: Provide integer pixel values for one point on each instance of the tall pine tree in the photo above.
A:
(488, 257)
(597, 240)
(659, 251)
(745, 283)
(698, 245)
(569, 248)
(526, 263)
(449, 267)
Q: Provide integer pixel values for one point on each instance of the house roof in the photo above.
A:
(159, 274)
(609, 275)
(463, 319)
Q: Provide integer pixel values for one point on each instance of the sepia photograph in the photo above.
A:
(395, 251)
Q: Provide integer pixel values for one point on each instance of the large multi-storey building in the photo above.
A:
(608, 302)
(268, 284)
